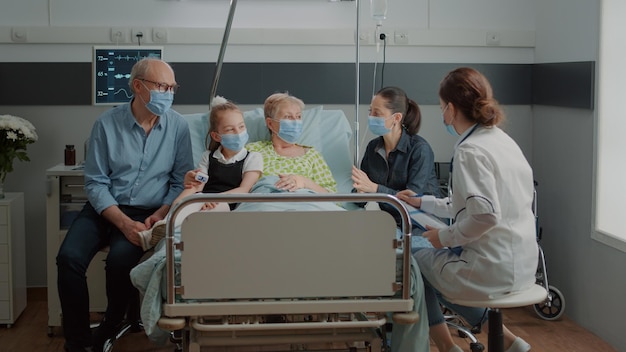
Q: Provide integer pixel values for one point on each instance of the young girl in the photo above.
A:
(229, 166)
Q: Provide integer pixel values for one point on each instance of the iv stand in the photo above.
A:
(357, 88)
(220, 59)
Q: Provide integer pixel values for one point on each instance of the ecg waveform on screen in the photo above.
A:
(112, 68)
(136, 57)
(126, 93)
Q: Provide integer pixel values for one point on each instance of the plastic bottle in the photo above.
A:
(378, 9)
(70, 155)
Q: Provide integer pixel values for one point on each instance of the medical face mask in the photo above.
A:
(159, 102)
(377, 125)
(290, 130)
(234, 142)
(450, 127)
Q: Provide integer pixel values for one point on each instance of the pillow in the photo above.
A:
(328, 131)
(198, 128)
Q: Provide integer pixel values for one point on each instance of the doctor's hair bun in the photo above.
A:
(218, 100)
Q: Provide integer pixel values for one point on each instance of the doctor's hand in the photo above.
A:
(410, 197)
(432, 235)
(361, 182)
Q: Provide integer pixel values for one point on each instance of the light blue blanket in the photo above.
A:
(267, 185)
(149, 276)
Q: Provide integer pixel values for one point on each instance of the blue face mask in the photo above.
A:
(451, 130)
(377, 125)
(290, 130)
(234, 142)
(450, 127)
(160, 102)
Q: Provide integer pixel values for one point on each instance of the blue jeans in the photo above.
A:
(88, 234)
(412, 337)
(472, 315)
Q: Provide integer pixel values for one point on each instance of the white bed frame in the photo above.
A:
(285, 278)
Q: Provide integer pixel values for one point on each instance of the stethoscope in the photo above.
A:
(457, 250)
(452, 160)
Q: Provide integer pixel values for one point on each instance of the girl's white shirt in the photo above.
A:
(254, 162)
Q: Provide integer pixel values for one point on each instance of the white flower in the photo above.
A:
(11, 135)
(15, 134)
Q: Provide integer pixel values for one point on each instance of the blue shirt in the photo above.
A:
(411, 165)
(126, 166)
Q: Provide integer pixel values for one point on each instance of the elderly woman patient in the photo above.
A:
(296, 166)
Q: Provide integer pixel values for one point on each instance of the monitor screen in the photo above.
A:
(111, 71)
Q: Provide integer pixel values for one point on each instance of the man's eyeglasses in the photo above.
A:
(162, 87)
(289, 117)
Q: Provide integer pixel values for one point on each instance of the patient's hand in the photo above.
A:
(290, 182)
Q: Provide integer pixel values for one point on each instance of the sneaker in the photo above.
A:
(150, 237)
(103, 333)
(68, 348)
(519, 345)
(158, 232)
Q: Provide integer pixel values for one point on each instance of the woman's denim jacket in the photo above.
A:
(411, 165)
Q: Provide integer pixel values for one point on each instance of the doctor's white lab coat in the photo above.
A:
(490, 175)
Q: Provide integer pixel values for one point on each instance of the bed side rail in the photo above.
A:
(171, 246)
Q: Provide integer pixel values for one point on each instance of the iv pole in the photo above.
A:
(220, 59)
(357, 88)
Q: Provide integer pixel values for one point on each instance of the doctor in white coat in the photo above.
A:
(491, 247)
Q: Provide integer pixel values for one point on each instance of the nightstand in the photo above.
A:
(65, 198)
(12, 258)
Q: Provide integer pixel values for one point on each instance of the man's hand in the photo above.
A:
(131, 229)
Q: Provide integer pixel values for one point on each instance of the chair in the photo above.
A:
(532, 295)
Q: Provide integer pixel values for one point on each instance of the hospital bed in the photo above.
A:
(316, 277)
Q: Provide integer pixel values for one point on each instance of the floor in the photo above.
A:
(29, 333)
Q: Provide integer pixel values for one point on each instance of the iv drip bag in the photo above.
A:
(378, 9)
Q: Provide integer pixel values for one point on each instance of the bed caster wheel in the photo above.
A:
(406, 318)
(176, 337)
(553, 307)
(477, 347)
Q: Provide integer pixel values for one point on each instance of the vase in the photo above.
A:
(3, 176)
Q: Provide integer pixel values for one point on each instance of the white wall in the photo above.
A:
(65, 30)
(589, 273)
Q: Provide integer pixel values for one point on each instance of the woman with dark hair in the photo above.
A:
(490, 202)
(398, 158)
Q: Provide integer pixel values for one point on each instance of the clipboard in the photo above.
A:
(420, 219)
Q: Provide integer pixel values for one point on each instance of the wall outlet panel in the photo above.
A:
(119, 35)
(139, 35)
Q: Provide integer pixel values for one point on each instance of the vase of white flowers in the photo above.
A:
(15, 134)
